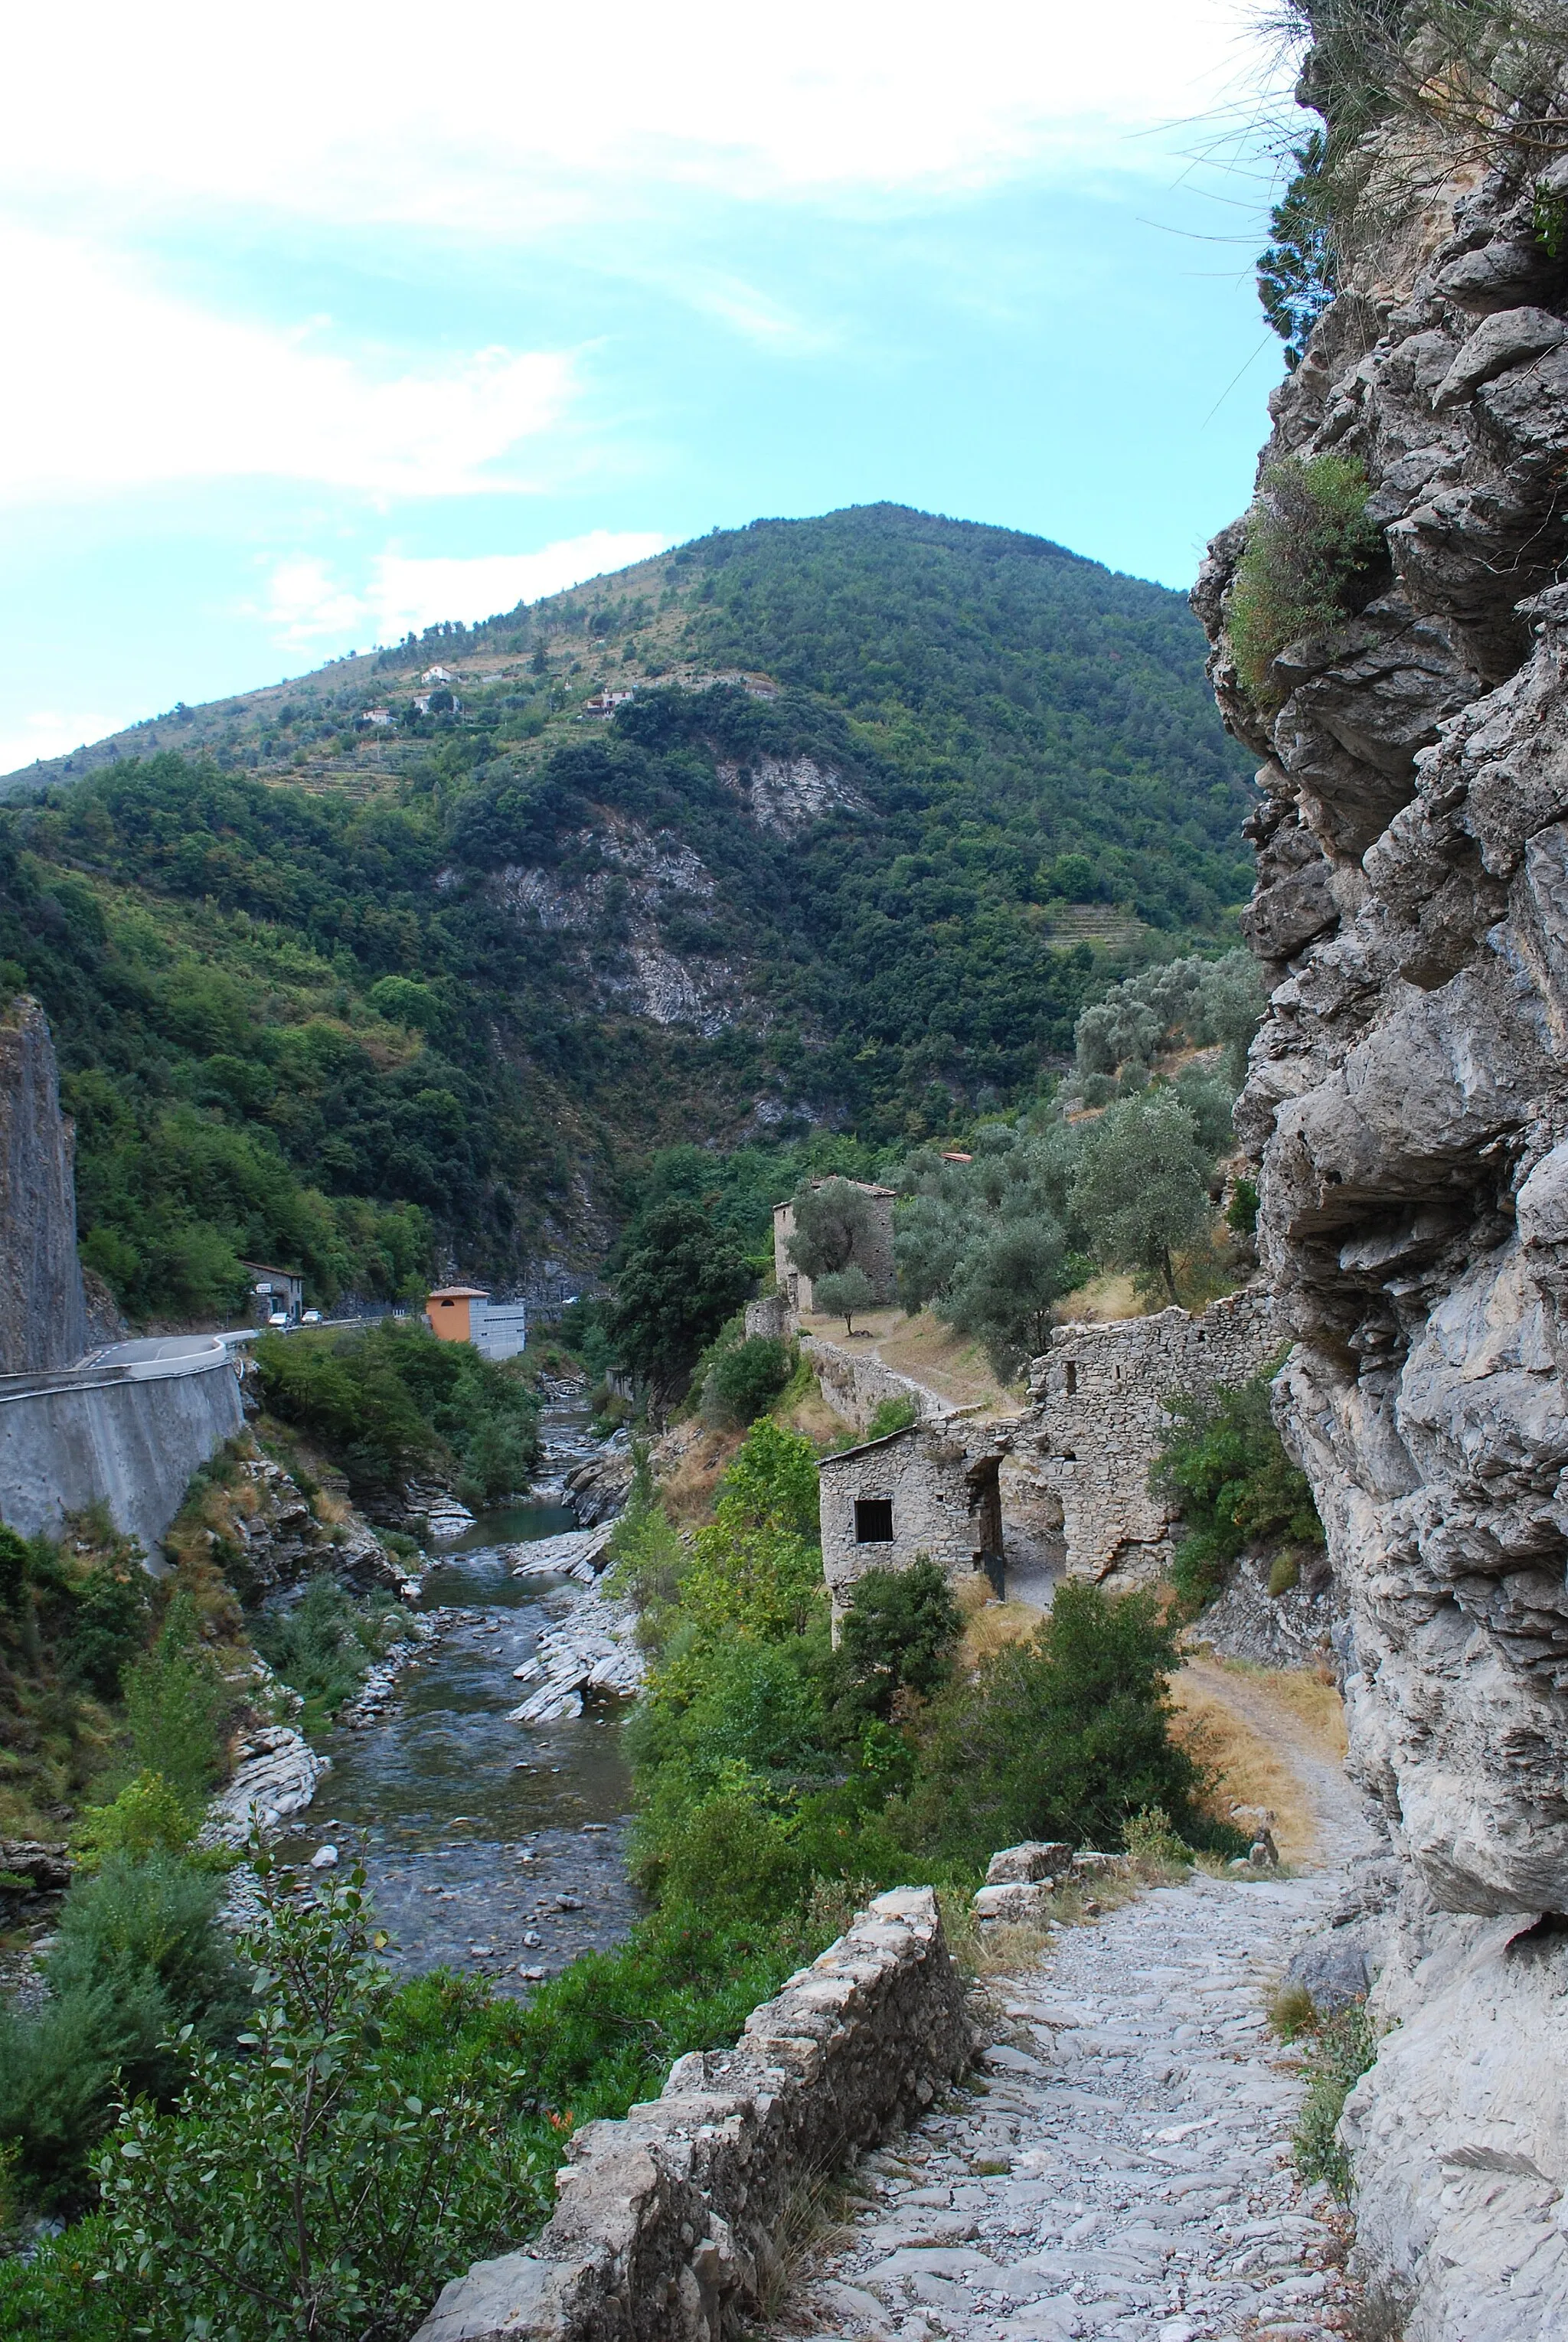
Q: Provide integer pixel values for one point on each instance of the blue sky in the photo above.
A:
(328, 324)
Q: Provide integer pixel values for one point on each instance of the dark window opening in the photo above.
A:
(1071, 1379)
(873, 1520)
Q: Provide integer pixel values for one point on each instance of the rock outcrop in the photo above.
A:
(1408, 1103)
(43, 1311)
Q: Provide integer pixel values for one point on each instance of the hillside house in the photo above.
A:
(465, 1312)
(437, 674)
(278, 1289)
(877, 1263)
(918, 1491)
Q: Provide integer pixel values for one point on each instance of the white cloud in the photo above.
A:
(48, 732)
(125, 387)
(308, 605)
(507, 120)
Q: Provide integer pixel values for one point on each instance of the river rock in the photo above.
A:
(276, 1775)
(597, 1490)
(591, 1651)
(575, 1553)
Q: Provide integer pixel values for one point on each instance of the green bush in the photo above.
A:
(744, 1380)
(1342, 2048)
(324, 1644)
(898, 1633)
(1225, 1461)
(892, 1415)
(1312, 558)
(137, 1956)
(175, 1706)
(147, 1817)
(1064, 1736)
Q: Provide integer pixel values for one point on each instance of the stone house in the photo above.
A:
(1098, 1420)
(876, 1260)
(922, 1490)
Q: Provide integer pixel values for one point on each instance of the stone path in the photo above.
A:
(1123, 2172)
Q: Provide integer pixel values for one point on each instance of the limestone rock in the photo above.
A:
(1035, 1859)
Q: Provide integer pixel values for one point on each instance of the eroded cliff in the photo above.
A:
(1408, 1103)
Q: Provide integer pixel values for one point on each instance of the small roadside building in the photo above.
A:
(465, 1312)
(917, 1491)
(277, 1288)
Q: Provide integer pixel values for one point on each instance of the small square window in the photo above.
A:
(873, 1520)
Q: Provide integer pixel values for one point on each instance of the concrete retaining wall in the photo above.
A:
(663, 2230)
(116, 1436)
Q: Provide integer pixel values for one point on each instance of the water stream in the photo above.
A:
(492, 1846)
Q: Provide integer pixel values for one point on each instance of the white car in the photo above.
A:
(311, 1318)
(278, 1317)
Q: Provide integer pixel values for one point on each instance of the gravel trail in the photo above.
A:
(1127, 2174)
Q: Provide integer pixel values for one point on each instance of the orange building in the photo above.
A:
(463, 1312)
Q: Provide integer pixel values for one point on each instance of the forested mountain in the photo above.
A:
(343, 977)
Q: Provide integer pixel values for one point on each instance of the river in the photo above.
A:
(490, 1846)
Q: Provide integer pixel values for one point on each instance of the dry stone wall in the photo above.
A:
(1098, 1421)
(854, 1383)
(664, 2227)
(924, 1491)
(1408, 1106)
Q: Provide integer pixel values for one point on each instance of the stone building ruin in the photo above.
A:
(876, 1259)
(922, 1490)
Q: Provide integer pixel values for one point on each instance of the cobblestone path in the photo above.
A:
(1127, 2175)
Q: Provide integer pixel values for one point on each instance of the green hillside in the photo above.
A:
(894, 797)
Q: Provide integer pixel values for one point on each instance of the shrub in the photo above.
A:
(892, 1415)
(1065, 1736)
(175, 1703)
(898, 1633)
(137, 1956)
(1226, 1460)
(772, 1478)
(744, 1380)
(107, 1623)
(1343, 2046)
(1242, 1212)
(147, 1817)
(1312, 558)
(322, 1645)
(303, 2190)
(15, 1560)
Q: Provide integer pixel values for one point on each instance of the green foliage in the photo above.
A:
(323, 1646)
(147, 1817)
(835, 1228)
(111, 1608)
(1342, 2048)
(1311, 559)
(1298, 276)
(175, 1704)
(745, 1378)
(1065, 1736)
(1141, 1189)
(845, 1293)
(1242, 1212)
(137, 1956)
(773, 1477)
(679, 1279)
(899, 1634)
(392, 1399)
(15, 1560)
(305, 2190)
(890, 1415)
(1004, 1285)
(757, 1576)
(1206, 1002)
(1225, 1461)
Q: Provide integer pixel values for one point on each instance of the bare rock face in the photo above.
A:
(42, 1314)
(1408, 1103)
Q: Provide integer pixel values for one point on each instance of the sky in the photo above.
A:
(329, 322)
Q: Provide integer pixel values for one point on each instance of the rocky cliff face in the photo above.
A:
(43, 1315)
(1408, 1102)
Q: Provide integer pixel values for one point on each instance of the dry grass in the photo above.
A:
(1311, 1694)
(1246, 1767)
(1101, 1302)
(990, 1625)
(811, 1416)
(688, 1462)
(928, 1352)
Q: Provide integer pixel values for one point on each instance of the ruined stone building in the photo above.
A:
(876, 1259)
(927, 1489)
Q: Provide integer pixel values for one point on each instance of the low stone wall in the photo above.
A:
(665, 2222)
(1099, 1420)
(113, 1435)
(855, 1386)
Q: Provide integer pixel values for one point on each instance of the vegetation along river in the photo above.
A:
(491, 1846)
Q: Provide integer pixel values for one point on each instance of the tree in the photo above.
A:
(844, 1291)
(899, 1633)
(1005, 1287)
(834, 1225)
(682, 1278)
(1143, 1191)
